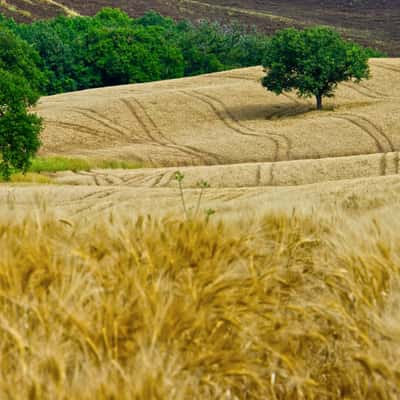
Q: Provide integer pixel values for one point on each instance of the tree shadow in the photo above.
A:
(273, 112)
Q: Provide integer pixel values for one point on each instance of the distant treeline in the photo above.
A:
(112, 49)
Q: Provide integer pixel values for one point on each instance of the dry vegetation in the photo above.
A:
(223, 118)
(286, 306)
(289, 292)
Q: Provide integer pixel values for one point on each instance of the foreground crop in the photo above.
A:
(283, 307)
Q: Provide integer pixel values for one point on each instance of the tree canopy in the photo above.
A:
(111, 48)
(20, 82)
(312, 61)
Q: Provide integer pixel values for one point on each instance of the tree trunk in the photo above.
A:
(319, 102)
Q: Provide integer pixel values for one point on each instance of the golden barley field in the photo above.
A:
(118, 284)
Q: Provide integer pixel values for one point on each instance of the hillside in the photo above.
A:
(281, 280)
(372, 23)
(223, 128)
(223, 118)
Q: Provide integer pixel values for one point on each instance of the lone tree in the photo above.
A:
(20, 80)
(312, 61)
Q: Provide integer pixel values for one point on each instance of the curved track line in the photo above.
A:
(388, 68)
(79, 128)
(374, 91)
(376, 127)
(360, 126)
(86, 112)
(228, 123)
(238, 77)
(162, 139)
(363, 93)
(288, 143)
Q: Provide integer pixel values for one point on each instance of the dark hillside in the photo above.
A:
(375, 23)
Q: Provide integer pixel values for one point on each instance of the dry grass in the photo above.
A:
(282, 307)
(223, 118)
(269, 299)
(284, 173)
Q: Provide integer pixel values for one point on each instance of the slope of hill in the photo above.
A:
(372, 23)
(224, 128)
(290, 291)
(223, 118)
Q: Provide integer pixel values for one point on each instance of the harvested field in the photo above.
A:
(290, 291)
(223, 118)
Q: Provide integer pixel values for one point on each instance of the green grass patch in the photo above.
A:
(58, 164)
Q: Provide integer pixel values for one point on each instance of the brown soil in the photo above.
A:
(372, 23)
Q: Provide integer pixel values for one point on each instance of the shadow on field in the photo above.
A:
(253, 112)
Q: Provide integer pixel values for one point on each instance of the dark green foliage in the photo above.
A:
(313, 62)
(111, 48)
(133, 54)
(20, 81)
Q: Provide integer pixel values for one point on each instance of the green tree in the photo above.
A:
(313, 62)
(20, 80)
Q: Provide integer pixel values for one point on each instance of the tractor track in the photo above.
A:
(162, 139)
(79, 128)
(376, 127)
(230, 123)
(387, 68)
(366, 92)
(224, 107)
(353, 121)
(104, 121)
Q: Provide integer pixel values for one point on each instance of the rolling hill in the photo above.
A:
(225, 129)
(372, 23)
(119, 284)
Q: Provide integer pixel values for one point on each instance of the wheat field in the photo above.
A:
(117, 284)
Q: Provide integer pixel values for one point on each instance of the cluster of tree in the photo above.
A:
(66, 54)
(111, 49)
(21, 82)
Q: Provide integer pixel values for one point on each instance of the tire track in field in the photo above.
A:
(366, 92)
(229, 123)
(212, 155)
(272, 174)
(79, 128)
(387, 67)
(224, 107)
(351, 118)
(383, 164)
(374, 91)
(360, 121)
(103, 120)
(161, 138)
(238, 77)
(375, 127)
(396, 163)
